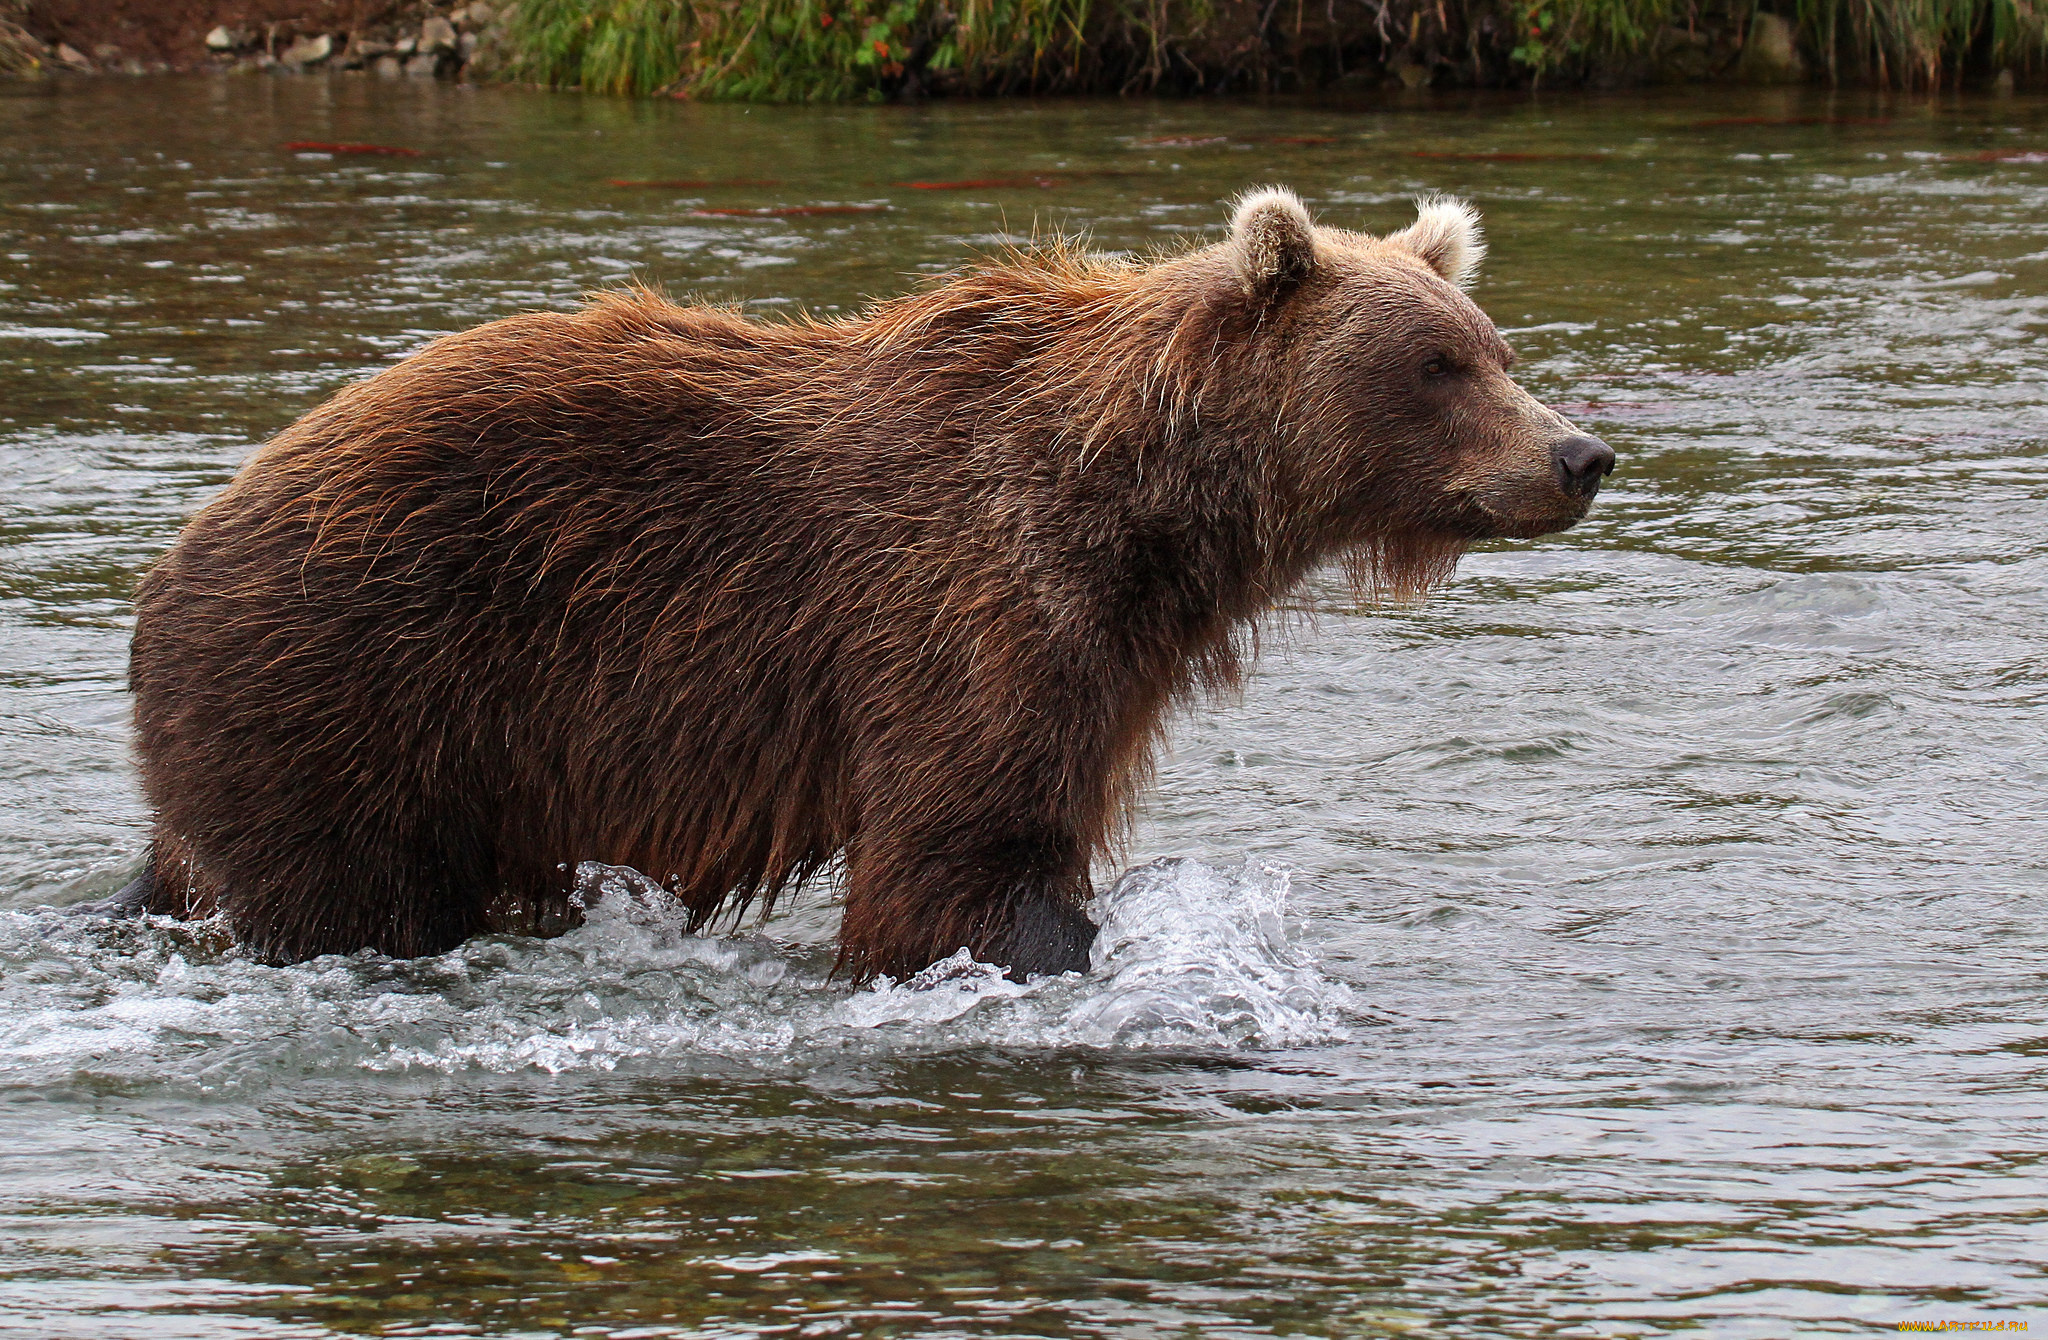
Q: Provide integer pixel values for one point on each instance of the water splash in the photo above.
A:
(1194, 954)
(1188, 956)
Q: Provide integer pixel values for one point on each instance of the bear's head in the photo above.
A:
(1402, 429)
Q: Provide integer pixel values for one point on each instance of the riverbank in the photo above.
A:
(876, 50)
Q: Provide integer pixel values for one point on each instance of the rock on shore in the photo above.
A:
(422, 40)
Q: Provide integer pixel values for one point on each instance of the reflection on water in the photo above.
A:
(1646, 935)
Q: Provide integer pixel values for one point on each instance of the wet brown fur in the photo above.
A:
(664, 587)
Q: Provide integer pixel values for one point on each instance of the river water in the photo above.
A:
(1648, 934)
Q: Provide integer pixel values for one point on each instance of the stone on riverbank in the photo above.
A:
(308, 50)
(1770, 55)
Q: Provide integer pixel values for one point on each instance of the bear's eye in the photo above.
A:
(1436, 367)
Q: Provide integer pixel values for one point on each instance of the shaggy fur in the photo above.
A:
(664, 587)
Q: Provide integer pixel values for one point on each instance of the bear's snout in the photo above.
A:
(1582, 462)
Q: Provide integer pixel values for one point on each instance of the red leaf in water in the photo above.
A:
(1511, 157)
(1722, 121)
(983, 184)
(1597, 408)
(785, 211)
(687, 183)
(2006, 156)
(322, 147)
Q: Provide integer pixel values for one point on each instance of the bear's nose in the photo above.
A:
(1582, 462)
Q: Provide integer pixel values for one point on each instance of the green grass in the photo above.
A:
(788, 50)
(850, 50)
(802, 50)
(1558, 33)
(603, 46)
(1921, 43)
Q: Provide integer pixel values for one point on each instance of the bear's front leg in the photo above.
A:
(1047, 931)
(1016, 900)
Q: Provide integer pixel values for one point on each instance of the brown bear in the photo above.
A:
(723, 600)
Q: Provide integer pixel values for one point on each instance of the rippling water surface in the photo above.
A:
(1645, 936)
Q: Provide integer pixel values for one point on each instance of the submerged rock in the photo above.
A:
(1770, 55)
(376, 1172)
(1680, 56)
(1412, 75)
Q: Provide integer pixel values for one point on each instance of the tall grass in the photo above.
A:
(604, 46)
(1922, 43)
(1015, 41)
(802, 50)
(794, 50)
(847, 50)
(1560, 33)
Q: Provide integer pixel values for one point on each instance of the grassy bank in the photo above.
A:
(836, 50)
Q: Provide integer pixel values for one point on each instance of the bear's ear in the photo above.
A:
(1275, 241)
(1446, 234)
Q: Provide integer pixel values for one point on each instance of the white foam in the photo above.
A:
(1188, 955)
(1194, 954)
(54, 334)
